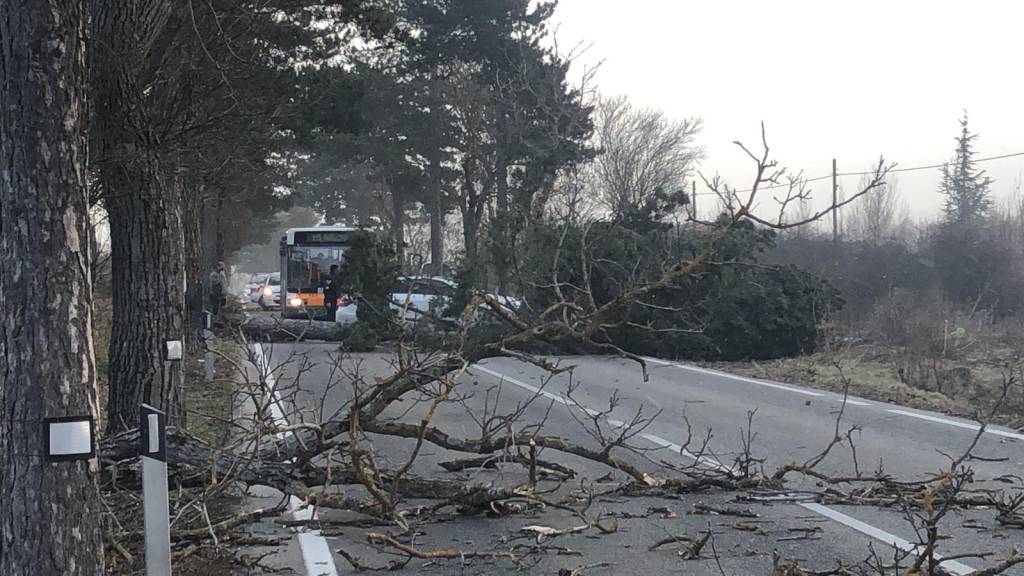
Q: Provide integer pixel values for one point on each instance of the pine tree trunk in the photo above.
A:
(398, 225)
(500, 239)
(471, 214)
(149, 302)
(49, 512)
(144, 205)
(437, 234)
(192, 216)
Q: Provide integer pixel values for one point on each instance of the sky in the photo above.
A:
(844, 80)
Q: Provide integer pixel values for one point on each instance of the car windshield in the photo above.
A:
(309, 267)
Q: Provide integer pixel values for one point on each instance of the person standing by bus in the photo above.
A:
(331, 293)
(218, 288)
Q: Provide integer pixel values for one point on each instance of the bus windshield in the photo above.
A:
(309, 267)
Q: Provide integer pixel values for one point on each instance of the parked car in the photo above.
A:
(270, 292)
(251, 292)
(413, 297)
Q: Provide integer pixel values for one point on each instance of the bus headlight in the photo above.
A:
(295, 302)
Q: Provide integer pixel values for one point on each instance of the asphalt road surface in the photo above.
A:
(782, 424)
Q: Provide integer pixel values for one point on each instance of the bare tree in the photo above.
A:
(876, 217)
(50, 514)
(643, 153)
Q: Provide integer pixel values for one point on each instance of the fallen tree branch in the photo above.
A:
(443, 553)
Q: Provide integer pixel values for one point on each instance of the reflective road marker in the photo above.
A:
(154, 491)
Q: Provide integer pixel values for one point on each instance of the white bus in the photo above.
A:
(307, 255)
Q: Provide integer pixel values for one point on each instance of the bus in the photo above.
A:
(307, 255)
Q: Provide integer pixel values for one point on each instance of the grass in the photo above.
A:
(209, 404)
(873, 372)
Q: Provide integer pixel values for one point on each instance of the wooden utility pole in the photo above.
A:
(693, 198)
(835, 201)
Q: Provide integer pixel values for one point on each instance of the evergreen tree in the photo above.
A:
(967, 189)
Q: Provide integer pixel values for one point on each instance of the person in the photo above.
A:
(331, 293)
(218, 286)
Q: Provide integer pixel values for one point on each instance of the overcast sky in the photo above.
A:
(849, 80)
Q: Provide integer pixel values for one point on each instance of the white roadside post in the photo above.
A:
(154, 492)
(208, 358)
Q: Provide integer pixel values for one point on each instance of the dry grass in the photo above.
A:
(964, 386)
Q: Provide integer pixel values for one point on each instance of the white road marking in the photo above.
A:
(316, 554)
(711, 462)
(737, 378)
(560, 399)
(829, 513)
(958, 424)
(705, 460)
(879, 534)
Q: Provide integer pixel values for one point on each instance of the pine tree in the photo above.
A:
(967, 189)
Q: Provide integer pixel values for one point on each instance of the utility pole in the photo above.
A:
(835, 201)
(693, 198)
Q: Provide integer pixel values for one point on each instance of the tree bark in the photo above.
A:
(49, 512)
(472, 205)
(436, 234)
(147, 279)
(398, 225)
(192, 216)
(500, 239)
(144, 205)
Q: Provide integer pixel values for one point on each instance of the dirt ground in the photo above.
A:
(965, 386)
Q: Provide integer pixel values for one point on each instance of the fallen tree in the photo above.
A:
(306, 452)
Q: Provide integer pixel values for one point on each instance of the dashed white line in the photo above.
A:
(879, 534)
(316, 554)
(864, 528)
(958, 424)
(560, 399)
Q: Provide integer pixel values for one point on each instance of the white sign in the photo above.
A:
(173, 350)
(70, 438)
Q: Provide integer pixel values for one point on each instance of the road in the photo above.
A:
(788, 424)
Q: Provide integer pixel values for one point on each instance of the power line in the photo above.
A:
(872, 173)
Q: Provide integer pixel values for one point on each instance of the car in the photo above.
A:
(269, 293)
(251, 292)
(414, 297)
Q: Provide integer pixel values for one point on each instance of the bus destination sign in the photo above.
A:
(327, 237)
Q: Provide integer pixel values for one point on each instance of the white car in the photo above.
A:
(415, 295)
(269, 293)
(251, 292)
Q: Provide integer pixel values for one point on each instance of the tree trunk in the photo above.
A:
(500, 240)
(398, 225)
(50, 512)
(471, 213)
(192, 216)
(436, 234)
(144, 206)
(149, 303)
